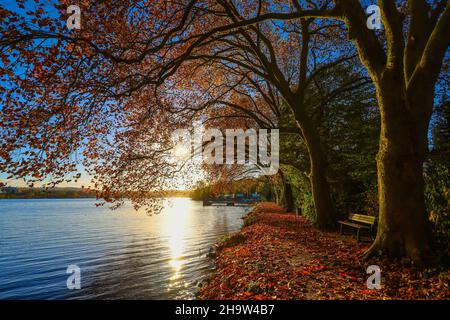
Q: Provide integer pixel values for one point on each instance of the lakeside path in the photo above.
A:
(282, 256)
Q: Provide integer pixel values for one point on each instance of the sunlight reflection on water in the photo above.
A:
(122, 254)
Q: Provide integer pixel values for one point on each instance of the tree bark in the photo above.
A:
(320, 188)
(277, 195)
(289, 198)
(405, 79)
(404, 229)
(323, 205)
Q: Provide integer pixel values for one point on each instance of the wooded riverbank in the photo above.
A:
(277, 255)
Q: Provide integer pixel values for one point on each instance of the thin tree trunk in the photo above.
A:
(289, 198)
(277, 195)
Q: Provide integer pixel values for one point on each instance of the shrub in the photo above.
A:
(437, 198)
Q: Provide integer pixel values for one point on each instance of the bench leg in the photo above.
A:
(341, 229)
(357, 236)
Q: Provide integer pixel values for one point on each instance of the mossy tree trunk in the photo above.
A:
(403, 229)
(320, 189)
(405, 72)
(287, 201)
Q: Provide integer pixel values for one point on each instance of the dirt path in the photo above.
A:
(281, 256)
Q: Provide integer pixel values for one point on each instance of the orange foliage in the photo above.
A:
(284, 257)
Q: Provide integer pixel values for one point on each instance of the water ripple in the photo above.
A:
(122, 254)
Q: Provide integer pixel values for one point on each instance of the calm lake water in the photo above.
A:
(122, 254)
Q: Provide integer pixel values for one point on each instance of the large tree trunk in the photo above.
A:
(323, 205)
(405, 70)
(403, 229)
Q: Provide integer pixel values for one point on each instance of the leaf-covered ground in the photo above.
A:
(281, 256)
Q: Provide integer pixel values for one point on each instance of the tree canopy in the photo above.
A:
(111, 93)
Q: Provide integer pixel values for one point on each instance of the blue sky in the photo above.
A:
(52, 12)
(11, 4)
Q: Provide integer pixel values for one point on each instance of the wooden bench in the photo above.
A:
(360, 222)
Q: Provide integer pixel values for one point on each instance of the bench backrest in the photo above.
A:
(362, 218)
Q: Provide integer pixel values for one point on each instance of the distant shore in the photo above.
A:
(69, 193)
(2, 197)
(41, 193)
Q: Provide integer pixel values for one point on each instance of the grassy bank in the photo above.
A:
(281, 256)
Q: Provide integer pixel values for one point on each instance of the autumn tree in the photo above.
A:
(126, 50)
(70, 68)
(349, 128)
(289, 69)
(404, 66)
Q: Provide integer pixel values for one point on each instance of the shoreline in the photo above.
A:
(278, 255)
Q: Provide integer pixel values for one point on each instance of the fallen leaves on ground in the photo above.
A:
(282, 256)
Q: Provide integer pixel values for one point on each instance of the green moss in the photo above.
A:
(249, 219)
(254, 287)
(229, 240)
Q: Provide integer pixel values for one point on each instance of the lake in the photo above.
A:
(122, 254)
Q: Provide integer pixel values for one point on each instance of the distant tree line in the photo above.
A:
(32, 193)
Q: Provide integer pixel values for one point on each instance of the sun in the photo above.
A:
(181, 152)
